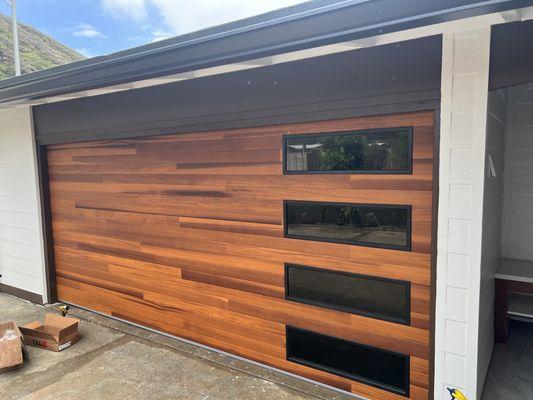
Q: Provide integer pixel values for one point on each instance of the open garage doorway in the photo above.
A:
(506, 307)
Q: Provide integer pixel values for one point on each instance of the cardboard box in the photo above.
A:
(11, 351)
(56, 334)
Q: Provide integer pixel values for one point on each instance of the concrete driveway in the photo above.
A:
(115, 360)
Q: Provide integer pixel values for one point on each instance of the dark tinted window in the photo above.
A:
(358, 294)
(384, 369)
(387, 151)
(367, 225)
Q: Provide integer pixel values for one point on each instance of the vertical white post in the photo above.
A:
(465, 71)
(16, 51)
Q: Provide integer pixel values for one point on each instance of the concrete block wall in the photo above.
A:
(461, 181)
(21, 241)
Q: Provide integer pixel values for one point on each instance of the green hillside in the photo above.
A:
(37, 50)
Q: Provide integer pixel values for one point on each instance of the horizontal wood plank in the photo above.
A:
(184, 233)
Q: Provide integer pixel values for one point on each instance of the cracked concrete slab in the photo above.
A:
(118, 360)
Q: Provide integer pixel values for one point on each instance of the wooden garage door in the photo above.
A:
(269, 243)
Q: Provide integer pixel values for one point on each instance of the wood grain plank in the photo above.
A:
(184, 233)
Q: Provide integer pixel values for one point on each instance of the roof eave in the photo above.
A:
(283, 31)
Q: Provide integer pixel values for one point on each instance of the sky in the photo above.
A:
(98, 27)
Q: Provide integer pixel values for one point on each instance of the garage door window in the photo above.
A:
(370, 151)
(386, 226)
(371, 296)
(370, 365)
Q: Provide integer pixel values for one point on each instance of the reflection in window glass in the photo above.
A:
(358, 294)
(370, 365)
(386, 151)
(376, 226)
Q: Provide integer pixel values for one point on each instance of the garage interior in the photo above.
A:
(507, 257)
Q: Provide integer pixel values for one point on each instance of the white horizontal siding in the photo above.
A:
(18, 219)
(18, 265)
(21, 243)
(18, 234)
(30, 283)
(17, 203)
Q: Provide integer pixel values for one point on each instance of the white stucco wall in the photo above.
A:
(464, 89)
(21, 242)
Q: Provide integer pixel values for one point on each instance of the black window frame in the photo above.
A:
(408, 171)
(347, 309)
(408, 208)
(366, 381)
